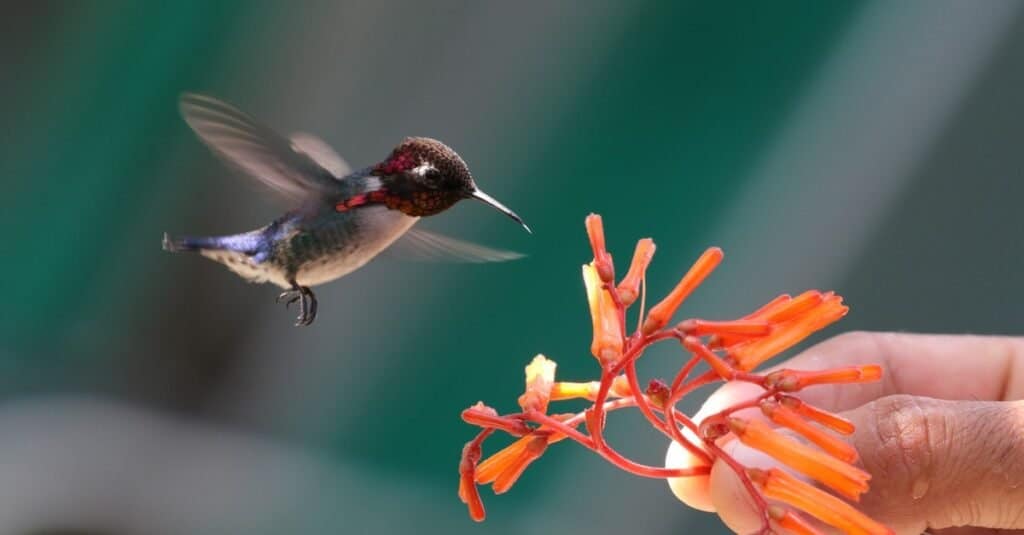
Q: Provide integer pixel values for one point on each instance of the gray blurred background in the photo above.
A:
(869, 147)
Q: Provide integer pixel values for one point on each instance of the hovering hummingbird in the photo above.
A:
(342, 219)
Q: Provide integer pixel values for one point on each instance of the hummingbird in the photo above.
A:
(340, 219)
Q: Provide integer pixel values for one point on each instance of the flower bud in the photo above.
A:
(607, 342)
(660, 314)
(629, 287)
(602, 260)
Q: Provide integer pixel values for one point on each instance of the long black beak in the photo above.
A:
(487, 199)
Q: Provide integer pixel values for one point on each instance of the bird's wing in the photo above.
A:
(287, 166)
(423, 245)
(321, 153)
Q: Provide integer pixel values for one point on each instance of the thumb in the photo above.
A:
(933, 463)
(941, 464)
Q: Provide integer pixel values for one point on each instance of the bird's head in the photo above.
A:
(426, 177)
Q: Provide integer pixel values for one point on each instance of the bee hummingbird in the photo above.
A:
(341, 219)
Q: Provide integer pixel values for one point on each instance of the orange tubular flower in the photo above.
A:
(629, 287)
(791, 522)
(505, 467)
(774, 304)
(749, 355)
(660, 314)
(793, 380)
(602, 260)
(468, 492)
(789, 419)
(836, 423)
(725, 340)
(720, 367)
(607, 344)
(845, 479)
(714, 351)
(779, 485)
(792, 308)
(738, 328)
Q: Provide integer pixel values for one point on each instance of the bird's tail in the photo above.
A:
(188, 243)
(242, 253)
(249, 243)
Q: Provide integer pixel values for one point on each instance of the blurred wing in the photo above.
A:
(321, 153)
(257, 150)
(422, 245)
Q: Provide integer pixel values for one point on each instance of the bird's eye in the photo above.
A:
(432, 175)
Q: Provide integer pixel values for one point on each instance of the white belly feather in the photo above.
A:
(380, 227)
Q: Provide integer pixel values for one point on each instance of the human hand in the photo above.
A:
(942, 434)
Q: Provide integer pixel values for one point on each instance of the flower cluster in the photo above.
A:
(731, 350)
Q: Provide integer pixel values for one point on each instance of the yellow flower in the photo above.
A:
(540, 378)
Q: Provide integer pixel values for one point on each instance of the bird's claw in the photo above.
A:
(291, 295)
(307, 301)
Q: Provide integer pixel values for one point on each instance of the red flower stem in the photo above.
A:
(749, 378)
(741, 472)
(671, 414)
(560, 427)
(676, 415)
(635, 351)
(706, 378)
(609, 406)
(613, 456)
(608, 375)
(623, 403)
(668, 427)
(677, 435)
(480, 437)
(655, 472)
(641, 400)
(685, 420)
(598, 408)
(684, 373)
(596, 434)
(749, 404)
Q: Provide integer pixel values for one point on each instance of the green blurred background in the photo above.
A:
(869, 147)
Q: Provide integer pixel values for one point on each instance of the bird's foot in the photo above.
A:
(307, 304)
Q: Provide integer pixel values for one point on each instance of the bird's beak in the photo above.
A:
(487, 199)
